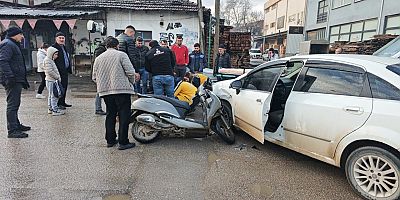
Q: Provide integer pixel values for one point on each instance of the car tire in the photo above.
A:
(373, 173)
(227, 114)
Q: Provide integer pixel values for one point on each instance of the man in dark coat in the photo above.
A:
(223, 59)
(127, 41)
(139, 58)
(63, 63)
(197, 60)
(13, 78)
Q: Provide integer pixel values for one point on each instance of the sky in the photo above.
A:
(257, 4)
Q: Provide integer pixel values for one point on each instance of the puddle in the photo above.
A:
(117, 197)
(262, 190)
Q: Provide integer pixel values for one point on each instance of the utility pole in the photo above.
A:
(201, 24)
(217, 28)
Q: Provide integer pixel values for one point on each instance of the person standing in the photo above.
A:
(127, 41)
(52, 75)
(114, 75)
(63, 63)
(182, 57)
(164, 43)
(160, 63)
(41, 55)
(139, 58)
(223, 59)
(197, 60)
(13, 78)
(272, 55)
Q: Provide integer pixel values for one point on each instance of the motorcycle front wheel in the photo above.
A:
(222, 130)
(144, 133)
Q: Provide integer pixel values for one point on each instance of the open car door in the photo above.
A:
(253, 98)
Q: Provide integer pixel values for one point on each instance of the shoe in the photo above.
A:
(17, 134)
(24, 128)
(126, 146)
(58, 112)
(100, 112)
(50, 111)
(67, 105)
(112, 144)
(40, 96)
(61, 107)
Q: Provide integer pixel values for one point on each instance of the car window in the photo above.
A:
(381, 89)
(332, 81)
(263, 80)
(394, 68)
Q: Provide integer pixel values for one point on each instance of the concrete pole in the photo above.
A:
(217, 27)
(201, 25)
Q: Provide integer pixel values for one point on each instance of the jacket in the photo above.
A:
(40, 56)
(50, 67)
(222, 61)
(12, 64)
(160, 61)
(113, 73)
(127, 45)
(181, 54)
(100, 49)
(139, 57)
(185, 91)
(197, 61)
(60, 62)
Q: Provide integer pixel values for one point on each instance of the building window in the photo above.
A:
(292, 18)
(322, 11)
(353, 32)
(281, 22)
(392, 25)
(340, 3)
(316, 34)
(267, 10)
(272, 25)
(274, 6)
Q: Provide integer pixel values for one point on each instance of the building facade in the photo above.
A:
(279, 16)
(351, 20)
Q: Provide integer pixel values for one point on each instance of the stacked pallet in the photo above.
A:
(367, 47)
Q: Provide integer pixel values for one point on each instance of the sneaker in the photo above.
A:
(100, 112)
(17, 134)
(112, 144)
(40, 96)
(126, 146)
(58, 112)
(24, 128)
(61, 107)
(50, 111)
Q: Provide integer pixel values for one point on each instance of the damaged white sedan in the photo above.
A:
(340, 109)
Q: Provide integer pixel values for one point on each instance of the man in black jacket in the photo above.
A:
(13, 78)
(127, 41)
(63, 63)
(139, 58)
(160, 63)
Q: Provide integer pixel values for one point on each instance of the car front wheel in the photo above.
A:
(374, 173)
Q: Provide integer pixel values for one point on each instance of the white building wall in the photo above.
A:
(150, 21)
(81, 37)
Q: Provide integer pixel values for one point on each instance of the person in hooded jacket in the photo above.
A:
(13, 78)
(40, 56)
(52, 75)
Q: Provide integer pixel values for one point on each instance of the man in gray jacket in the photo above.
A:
(114, 75)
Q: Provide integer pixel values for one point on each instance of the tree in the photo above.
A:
(239, 13)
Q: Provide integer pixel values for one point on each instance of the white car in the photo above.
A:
(340, 109)
(255, 57)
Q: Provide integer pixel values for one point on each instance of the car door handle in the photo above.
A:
(353, 109)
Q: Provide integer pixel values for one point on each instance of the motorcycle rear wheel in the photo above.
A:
(144, 133)
(222, 131)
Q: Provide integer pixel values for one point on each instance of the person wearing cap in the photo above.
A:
(13, 78)
(139, 58)
(223, 59)
(160, 63)
(63, 63)
(182, 57)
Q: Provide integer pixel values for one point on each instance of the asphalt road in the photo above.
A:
(65, 157)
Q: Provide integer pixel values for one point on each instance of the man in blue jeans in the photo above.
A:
(138, 56)
(160, 62)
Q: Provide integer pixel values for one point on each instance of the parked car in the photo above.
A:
(255, 57)
(340, 109)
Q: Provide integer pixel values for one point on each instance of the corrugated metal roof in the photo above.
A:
(168, 5)
(36, 12)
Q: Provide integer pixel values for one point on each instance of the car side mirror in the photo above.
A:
(237, 84)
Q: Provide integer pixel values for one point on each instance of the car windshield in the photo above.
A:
(255, 51)
(394, 68)
(390, 49)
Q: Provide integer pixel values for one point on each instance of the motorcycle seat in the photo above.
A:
(181, 106)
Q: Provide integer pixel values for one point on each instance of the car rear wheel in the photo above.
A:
(374, 173)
